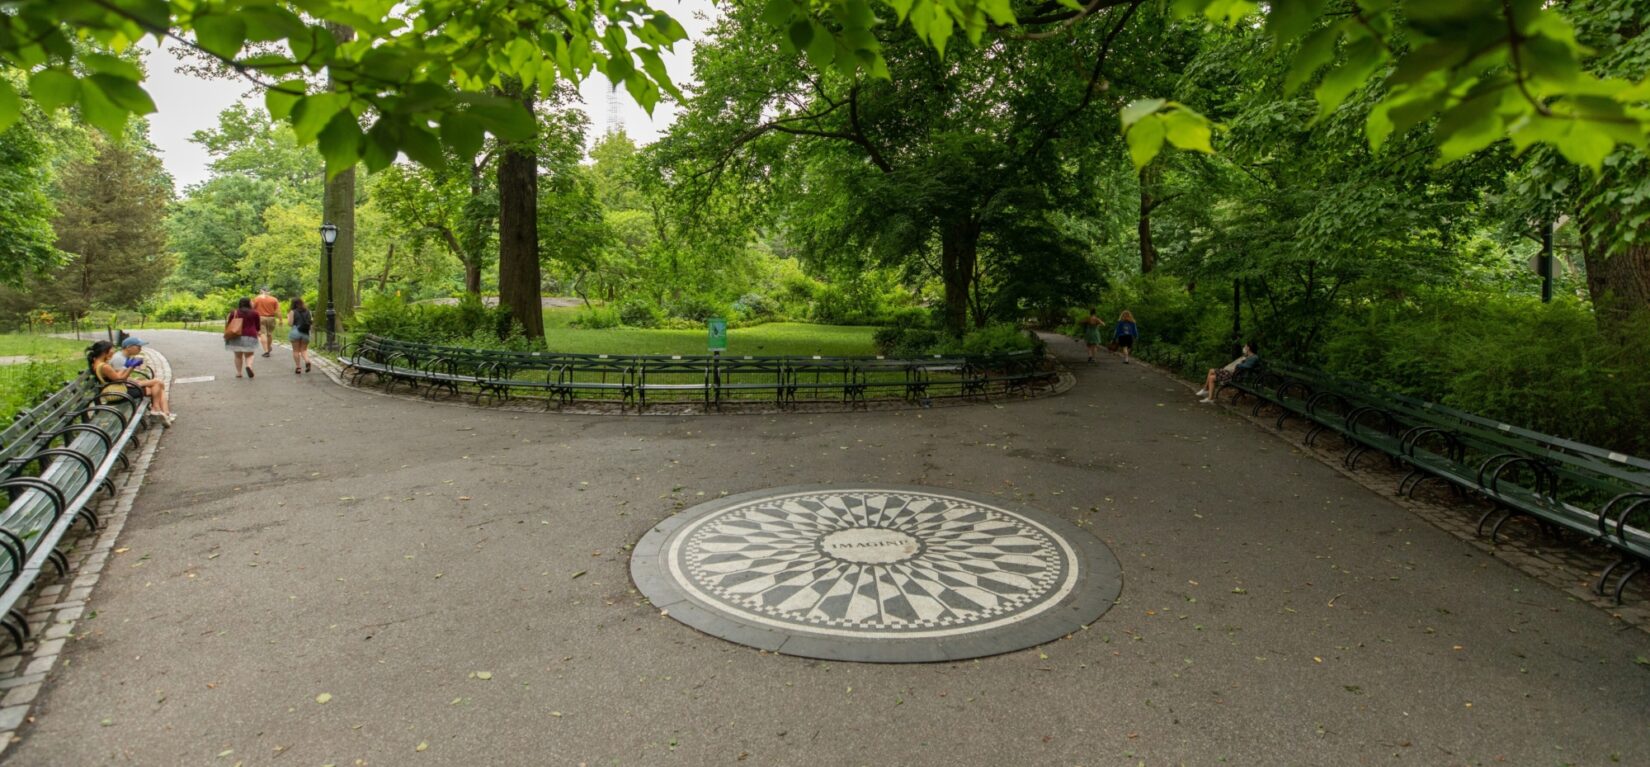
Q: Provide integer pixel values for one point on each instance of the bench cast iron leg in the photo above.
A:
(1486, 517)
(1621, 585)
(1496, 531)
(1604, 577)
(18, 636)
(1403, 484)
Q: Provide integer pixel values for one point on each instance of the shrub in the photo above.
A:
(1546, 367)
(640, 313)
(183, 306)
(24, 386)
(917, 342)
(910, 333)
(755, 307)
(388, 315)
(911, 317)
(696, 308)
(830, 306)
(597, 318)
(998, 338)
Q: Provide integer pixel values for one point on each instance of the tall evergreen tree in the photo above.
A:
(109, 226)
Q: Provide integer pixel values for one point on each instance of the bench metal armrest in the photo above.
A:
(118, 413)
(1307, 394)
(63, 452)
(19, 551)
(52, 492)
(1355, 418)
(1546, 484)
(1411, 440)
(1316, 399)
(1628, 503)
(75, 428)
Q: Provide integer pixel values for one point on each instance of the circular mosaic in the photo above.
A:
(875, 574)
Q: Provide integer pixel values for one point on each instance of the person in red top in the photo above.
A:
(269, 309)
(243, 343)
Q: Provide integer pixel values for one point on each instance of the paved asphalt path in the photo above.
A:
(456, 581)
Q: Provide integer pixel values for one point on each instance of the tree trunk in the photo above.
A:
(1618, 282)
(472, 278)
(959, 249)
(1148, 252)
(470, 252)
(384, 280)
(338, 209)
(518, 231)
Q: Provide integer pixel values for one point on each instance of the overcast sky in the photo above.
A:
(187, 104)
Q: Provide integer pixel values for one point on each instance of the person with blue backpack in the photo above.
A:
(299, 319)
(1124, 333)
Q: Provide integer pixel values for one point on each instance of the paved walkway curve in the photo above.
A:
(453, 583)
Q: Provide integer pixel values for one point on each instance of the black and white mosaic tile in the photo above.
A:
(875, 574)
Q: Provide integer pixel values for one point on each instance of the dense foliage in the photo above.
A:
(1365, 184)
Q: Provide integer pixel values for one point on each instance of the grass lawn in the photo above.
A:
(41, 347)
(772, 339)
(53, 362)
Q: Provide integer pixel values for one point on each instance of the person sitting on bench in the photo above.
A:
(1221, 376)
(114, 380)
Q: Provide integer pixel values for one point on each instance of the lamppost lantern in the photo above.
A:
(329, 236)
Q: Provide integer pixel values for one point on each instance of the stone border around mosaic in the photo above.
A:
(1096, 590)
(55, 610)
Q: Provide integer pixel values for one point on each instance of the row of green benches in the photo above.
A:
(54, 460)
(711, 380)
(1597, 494)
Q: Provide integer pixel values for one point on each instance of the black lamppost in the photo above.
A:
(1544, 262)
(329, 236)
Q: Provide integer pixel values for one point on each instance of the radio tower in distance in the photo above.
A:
(613, 124)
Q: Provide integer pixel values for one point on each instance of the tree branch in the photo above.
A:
(1066, 19)
(859, 130)
(1053, 128)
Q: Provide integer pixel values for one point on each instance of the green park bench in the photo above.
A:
(710, 380)
(1566, 487)
(747, 375)
(58, 456)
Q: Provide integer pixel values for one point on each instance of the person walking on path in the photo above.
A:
(269, 309)
(1248, 360)
(1091, 331)
(299, 320)
(116, 380)
(1124, 334)
(240, 336)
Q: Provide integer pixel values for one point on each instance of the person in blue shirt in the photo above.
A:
(1221, 376)
(1124, 333)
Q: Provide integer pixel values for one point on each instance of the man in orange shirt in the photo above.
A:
(268, 309)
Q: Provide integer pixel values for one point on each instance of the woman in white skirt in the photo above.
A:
(243, 343)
